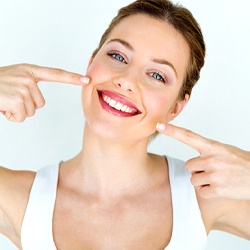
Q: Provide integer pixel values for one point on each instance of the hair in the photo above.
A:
(182, 20)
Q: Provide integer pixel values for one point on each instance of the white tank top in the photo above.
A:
(188, 229)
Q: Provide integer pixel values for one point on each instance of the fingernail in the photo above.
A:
(84, 79)
(161, 126)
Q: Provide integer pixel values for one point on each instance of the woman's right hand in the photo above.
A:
(19, 92)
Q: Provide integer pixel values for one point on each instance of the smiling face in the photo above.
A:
(136, 77)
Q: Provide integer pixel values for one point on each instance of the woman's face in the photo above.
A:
(135, 78)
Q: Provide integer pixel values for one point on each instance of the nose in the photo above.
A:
(127, 80)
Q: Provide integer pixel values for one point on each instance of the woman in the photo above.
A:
(113, 194)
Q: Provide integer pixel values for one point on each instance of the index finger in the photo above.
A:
(57, 75)
(187, 137)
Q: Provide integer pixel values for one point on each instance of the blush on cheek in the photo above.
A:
(160, 109)
(163, 104)
(97, 72)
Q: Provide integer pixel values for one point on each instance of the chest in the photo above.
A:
(144, 223)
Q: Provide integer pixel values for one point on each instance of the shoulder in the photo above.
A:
(14, 180)
(15, 187)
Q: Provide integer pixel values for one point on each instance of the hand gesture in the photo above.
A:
(220, 170)
(19, 92)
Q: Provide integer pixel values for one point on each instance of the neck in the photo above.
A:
(110, 167)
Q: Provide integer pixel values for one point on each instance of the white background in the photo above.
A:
(63, 33)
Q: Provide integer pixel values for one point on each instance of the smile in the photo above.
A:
(116, 104)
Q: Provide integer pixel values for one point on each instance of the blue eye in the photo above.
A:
(158, 77)
(117, 57)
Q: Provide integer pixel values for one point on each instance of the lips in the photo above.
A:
(117, 105)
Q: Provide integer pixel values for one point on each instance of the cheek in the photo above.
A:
(94, 72)
(98, 72)
(159, 105)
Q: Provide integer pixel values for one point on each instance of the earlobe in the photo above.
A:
(179, 106)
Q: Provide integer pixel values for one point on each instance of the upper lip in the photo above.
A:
(119, 98)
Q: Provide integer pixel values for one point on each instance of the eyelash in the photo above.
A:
(157, 76)
(114, 56)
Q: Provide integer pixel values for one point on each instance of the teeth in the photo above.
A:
(123, 109)
(128, 110)
(112, 103)
(118, 105)
(106, 99)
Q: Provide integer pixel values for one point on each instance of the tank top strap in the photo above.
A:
(188, 228)
(36, 232)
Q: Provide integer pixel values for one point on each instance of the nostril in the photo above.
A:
(121, 86)
(125, 85)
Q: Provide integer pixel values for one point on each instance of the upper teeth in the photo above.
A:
(118, 105)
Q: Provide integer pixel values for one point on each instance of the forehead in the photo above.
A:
(153, 38)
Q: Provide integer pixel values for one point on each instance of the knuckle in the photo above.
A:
(213, 144)
(212, 163)
(26, 80)
(214, 178)
(23, 65)
(22, 119)
(24, 92)
(25, 75)
(193, 180)
(188, 165)
(17, 118)
(40, 104)
(189, 135)
(56, 72)
(234, 156)
(218, 191)
(208, 192)
(31, 113)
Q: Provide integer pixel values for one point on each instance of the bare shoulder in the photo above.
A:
(15, 181)
(15, 187)
(226, 215)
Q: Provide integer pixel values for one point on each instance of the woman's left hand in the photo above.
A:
(220, 170)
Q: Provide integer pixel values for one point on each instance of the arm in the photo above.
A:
(14, 193)
(221, 177)
(228, 215)
(19, 99)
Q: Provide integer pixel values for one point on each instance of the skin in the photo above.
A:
(20, 95)
(109, 187)
(156, 100)
(220, 175)
(220, 170)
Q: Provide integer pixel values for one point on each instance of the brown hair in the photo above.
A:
(181, 19)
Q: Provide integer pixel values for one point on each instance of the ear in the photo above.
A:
(178, 107)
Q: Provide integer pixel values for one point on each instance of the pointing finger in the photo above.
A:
(201, 144)
(58, 75)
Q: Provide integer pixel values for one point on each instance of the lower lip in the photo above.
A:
(113, 111)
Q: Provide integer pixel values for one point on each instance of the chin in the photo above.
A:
(108, 135)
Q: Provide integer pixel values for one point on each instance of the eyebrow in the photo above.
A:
(159, 61)
(165, 62)
(124, 43)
